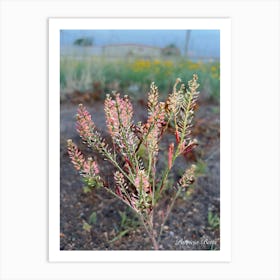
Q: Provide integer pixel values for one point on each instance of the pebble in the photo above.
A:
(147, 239)
(171, 233)
(82, 215)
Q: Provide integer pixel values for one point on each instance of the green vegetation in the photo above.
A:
(86, 227)
(83, 42)
(200, 171)
(93, 218)
(213, 220)
(134, 76)
(127, 224)
(201, 168)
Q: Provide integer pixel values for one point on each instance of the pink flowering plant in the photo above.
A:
(137, 182)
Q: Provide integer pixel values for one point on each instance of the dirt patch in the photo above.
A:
(113, 226)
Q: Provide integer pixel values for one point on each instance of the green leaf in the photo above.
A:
(86, 189)
(201, 168)
(213, 220)
(120, 235)
(93, 218)
(86, 227)
(123, 218)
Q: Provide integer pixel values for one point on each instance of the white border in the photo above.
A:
(55, 25)
(255, 153)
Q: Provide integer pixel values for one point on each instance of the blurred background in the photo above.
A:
(95, 62)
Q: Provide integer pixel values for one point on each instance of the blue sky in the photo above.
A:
(202, 42)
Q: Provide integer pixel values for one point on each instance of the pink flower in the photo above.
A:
(90, 167)
(119, 179)
(75, 155)
(153, 127)
(142, 181)
(111, 114)
(85, 167)
(188, 177)
(119, 183)
(118, 113)
(170, 155)
(157, 116)
(177, 136)
(152, 98)
(85, 126)
(185, 149)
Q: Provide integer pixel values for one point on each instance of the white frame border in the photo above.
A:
(57, 24)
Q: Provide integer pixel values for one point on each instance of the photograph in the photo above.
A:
(139, 139)
(131, 138)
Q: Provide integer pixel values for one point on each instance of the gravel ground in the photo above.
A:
(188, 227)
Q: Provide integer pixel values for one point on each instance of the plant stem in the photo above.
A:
(165, 176)
(154, 240)
(113, 162)
(155, 243)
(168, 212)
(149, 229)
(152, 236)
(177, 152)
(126, 203)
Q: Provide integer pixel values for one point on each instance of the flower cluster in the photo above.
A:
(85, 126)
(155, 122)
(87, 167)
(142, 182)
(118, 113)
(119, 122)
(188, 177)
(135, 174)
